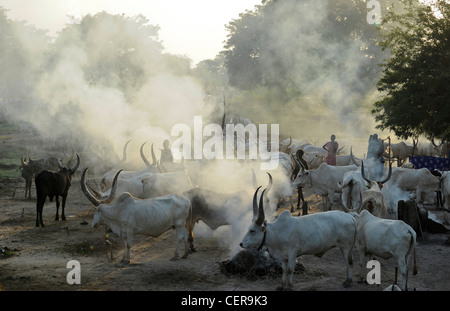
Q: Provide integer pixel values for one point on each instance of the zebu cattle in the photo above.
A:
(324, 181)
(107, 178)
(289, 237)
(385, 238)
(132, 185)
(423, 148)
(352, 186)
(372, 199)
(220, 209)
(29, 169)
(53, 184)
(216, 210)
(445, 189)
(420, 181)
(129, 216)
(400, 151)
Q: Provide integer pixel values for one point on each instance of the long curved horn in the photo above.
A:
(75, 167)
(260, 220)
(388, 176)
(269, 185)
(143, 156)
(124, 152)
(86, 191)
(255, 204)
(155, 162)
(113, 189)
(353, 157)
(362, 173)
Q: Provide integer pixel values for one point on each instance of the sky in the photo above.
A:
(192, 28)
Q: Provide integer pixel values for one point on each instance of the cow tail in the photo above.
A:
(413, 246)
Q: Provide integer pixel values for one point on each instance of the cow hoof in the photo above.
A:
(174, 258)
(192, 250)
(347, 283)
(184, 256)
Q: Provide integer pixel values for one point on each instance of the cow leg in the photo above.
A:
(284, 266)
(403, 268)
(348, 258)
(190, 230)
(57, 208)
(182, 236)
(127, 241)
(362, 261)
(39, 207)
(290, 270)
(63, 216)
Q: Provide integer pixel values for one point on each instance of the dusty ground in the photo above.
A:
(35, 258)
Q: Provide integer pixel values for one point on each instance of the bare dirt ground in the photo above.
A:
(34, 258)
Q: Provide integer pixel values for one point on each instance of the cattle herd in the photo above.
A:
(171, 195)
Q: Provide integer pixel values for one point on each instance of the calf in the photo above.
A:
(385, 238)
(53, 184)
(289, 237)
(128, 216)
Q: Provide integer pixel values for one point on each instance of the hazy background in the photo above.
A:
(93, 74)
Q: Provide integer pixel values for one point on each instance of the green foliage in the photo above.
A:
(415, 81)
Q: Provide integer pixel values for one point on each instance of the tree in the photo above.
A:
(289, 44)
(416, 78)
(23, 50)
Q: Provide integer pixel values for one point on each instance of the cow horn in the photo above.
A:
(75, 167)
(260, 220)
(124, 152)
(86, 191)
(113, 189)
(353, 157)
(143, 156)
(389, 174)
(269, 185)
(362, 173)
(255, 204)
(22, 160)
(155, 162)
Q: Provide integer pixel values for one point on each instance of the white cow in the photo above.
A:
(372, 199)
(352, 186)
(445, 189)
(107, 178)
(324, 181)
(421, 181)
(128, 216)
(132, 185)
(289, 237)
(400, 151)
(385, 238)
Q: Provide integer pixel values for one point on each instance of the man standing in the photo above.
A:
(332, 147)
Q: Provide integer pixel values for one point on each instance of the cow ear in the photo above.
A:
(264, 226)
